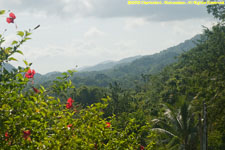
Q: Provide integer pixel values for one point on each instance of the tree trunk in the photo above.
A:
(200, 129)
(205, 143)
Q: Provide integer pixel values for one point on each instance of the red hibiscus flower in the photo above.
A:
(69, 125)
(6, 136)
(142, 147)
(69, 103)
(68, 106)
(26, 135)
(30, 74)
(36, 90)
(108, 125)
(11, 18)
(12, 15)
(70, 100)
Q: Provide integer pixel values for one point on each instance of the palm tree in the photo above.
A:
(179, 127)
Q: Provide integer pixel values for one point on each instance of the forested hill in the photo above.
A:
(126, 70)
(173, 99)
(155, 102)
(198, 77)
(109, 64)
(149, 64)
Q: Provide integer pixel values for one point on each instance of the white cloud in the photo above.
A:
(77, 7)
(132, 23)
(107, 9)
(93, 32)
(86, 32)
(9, 39)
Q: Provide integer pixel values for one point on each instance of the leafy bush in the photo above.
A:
(32, 119)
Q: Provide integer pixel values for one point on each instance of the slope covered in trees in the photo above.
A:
(126, 70)
(181, 106)
(172, 100)
(197, 77)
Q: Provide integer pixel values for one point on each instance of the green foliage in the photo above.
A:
(2, 12)
(88, 95)
(40, 120)
(170, 100)
(198, 76)
(62, 85)
(217, 11)
(6, 53)
(179, 127)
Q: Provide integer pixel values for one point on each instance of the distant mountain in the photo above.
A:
(127, 70)
(128, 73)
(109, 64)
(52, 73)
(40, 79)
(8, 67)
(154, 63)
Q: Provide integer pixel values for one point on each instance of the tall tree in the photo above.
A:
(180, 127)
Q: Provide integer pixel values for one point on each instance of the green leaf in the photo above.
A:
(36, 27)
(14, 42)
(35, 122)
(27, 33)
(8, 50)
(26, 63)
(7, 122)
(42, 88)
(71, 71)
(64, 74)
(2, 12)
(43, 114)
(69, 83)
(43, 103)
(18, 51)
(27, 39)
(20, 76)
(58, 100)
(12, 58)
(20, 33)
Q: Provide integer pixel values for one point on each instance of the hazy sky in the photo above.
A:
(86, 32)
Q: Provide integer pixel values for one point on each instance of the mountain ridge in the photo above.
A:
(109, 64)
(125, 69)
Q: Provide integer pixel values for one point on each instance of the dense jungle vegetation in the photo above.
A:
(154, 102)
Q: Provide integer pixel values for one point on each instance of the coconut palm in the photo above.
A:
(178, 128)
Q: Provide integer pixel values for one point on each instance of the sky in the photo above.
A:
(86, 32)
